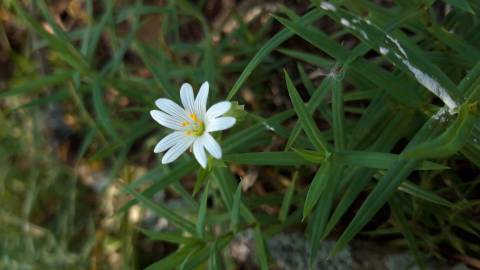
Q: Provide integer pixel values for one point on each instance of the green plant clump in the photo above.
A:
(354, 120)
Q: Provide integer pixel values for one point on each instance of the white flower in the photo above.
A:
(192, 125)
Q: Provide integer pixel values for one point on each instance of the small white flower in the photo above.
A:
(192, 125)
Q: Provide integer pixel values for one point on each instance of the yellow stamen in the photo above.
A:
(195, 128)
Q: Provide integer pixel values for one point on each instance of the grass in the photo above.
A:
(365, 109)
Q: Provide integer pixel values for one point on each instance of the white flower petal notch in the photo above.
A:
(191, 125)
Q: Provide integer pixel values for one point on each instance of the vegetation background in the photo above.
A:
(361, 122)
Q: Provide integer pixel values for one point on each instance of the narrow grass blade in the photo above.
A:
(260, 249)
(161, 181)
(318, 221)
(385, 187)
(399, 217)
(461, 4)
(378, 160)
(312, 156)
(316, 188)
(287, 198)
(102, 112)
(269, 46)
(424, 194)
(449, 142)
(338, 114)
(171, 237)
(38, 84)
(309, 126)
(175, 259)
(267, 158)
(163, 211)
(214, 257)
(386, 81)
(202, 213)
(315, 102)
(235, 213)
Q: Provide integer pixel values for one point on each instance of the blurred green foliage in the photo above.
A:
(362, 120)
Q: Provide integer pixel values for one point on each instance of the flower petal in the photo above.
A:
(201, 101)
(218, 109)
(168, 141)
(181, 146)
(220, 123)
(211, 145)
(199, 153)
(166, 120)
(186, 95)
(171, 108)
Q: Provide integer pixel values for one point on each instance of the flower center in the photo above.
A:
(194, 128)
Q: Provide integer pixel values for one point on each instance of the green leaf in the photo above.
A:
(451, 141)
(171, 237)
(391, 84)
(309, 126)
(318, 221)
(338, 113)
(424, 194)
(38, 84)
(378, 160)
(235, 213)
(267, 158)
(312, 156)
(202, 213)
(461, 4)
(214, 257)
(102, 112)
(176, 259)
(266, 49)
(161, 180)
(385, 187)
(315, 102)
(316, 188)
(260, 249)
(163, 211)
(287, 198)
(399, 217)
(202, 175)
(404, 54)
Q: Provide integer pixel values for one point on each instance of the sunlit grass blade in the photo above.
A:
(386, 81)
(405, 55)
(449, 142)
